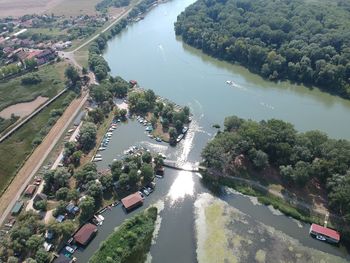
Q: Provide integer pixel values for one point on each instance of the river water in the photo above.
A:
(149, 52)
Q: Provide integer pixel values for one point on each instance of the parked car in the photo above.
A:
(70, 249)
(145, 192)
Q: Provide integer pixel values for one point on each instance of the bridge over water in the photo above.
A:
(189, 167)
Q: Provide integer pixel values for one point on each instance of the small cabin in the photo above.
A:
(85, 234)
(324, 233)
(132, 201)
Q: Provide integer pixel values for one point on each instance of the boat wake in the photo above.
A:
(267, 105)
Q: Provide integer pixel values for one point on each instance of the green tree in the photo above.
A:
(116, 169)
(72, 75)
(34, 243)
(147, 157)
(147, 173)
(62, 193)
(87, 139)
(87, 207)
(41, 256)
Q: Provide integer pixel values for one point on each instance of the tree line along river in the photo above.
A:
(149, 52)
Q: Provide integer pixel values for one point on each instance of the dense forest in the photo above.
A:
(299, 158)
(303, 41)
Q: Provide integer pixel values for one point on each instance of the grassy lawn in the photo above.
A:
(12, 91)
(21, 140)
(82, 56)
(6, 123)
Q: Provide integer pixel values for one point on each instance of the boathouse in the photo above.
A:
(330, 235)
(132, 201)
(85, 234)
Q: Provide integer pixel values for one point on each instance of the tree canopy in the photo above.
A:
(299, 158)
(303, 41)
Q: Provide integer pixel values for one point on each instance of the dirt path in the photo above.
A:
(37, 158)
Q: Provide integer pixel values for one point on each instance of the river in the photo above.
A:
(149, 52)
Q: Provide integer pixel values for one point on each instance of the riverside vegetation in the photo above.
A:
(299, 159)
(130, 242)
(303, 41)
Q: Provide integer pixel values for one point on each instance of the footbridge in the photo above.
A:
(189, 167)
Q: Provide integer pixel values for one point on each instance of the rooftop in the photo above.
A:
(132, 200)
(85, 233)
(325, 231)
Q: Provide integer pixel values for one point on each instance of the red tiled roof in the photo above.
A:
(85, 233)
(325, 231)
(132, 200)
(30, 190)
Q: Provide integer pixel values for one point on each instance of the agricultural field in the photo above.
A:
(60, 7)
(75, 7)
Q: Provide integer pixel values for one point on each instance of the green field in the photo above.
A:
(12, 91)
(46, 31)
(14, 150)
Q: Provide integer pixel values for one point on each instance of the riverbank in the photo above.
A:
(289, 207)
(225, 234)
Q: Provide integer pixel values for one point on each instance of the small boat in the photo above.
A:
(101, 217)
(97, 159)
(321, 238)
(97, 221)
(229, 82)
(102, 148)
(98, 155)
(184, 130)
(179, 138)
(158, 139)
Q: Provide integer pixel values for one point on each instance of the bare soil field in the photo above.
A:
(74, 7)
(17, 8)
(22, 109)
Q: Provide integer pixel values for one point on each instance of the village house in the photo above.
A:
(85, 234)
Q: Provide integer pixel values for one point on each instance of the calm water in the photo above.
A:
(149, 52)
(176, 194)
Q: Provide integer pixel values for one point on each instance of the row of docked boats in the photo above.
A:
(105, 141)
(148, 128)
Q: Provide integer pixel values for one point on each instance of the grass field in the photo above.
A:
(47, 31)
(21, 141)
(12, 91)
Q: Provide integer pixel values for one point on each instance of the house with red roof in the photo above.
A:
(85, 234)
(132, 201)
(324, 234)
